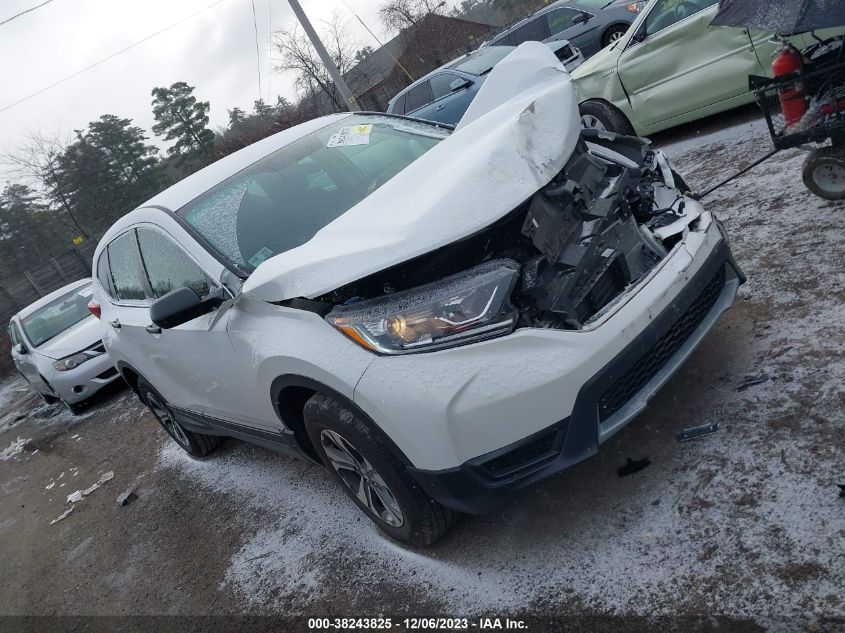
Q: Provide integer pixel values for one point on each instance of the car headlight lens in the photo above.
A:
(72, 362)
(635, 7)
(466, 307)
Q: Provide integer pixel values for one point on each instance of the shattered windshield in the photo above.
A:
(57, 316)
(281, 201)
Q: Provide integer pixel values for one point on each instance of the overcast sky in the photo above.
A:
(213, 51)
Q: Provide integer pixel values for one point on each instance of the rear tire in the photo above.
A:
(195, 444)
(598, 115)
(613, 33)
(824, 173)
(372, 476)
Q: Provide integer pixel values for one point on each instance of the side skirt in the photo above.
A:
(281, 442)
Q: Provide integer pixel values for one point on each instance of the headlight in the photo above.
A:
(469, 306)
(635, 7)
(72, 362)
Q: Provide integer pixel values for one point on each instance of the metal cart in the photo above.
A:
(821, 129)
(819, 126)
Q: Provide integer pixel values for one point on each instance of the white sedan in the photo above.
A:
(56, 347)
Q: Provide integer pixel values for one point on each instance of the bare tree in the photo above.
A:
(35, 162)
(297, 55)
(398, 15)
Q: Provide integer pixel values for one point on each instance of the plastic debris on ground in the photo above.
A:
(633, 466)
(695, 432)
(125, 498)
(751, 381)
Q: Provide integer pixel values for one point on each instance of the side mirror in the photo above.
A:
(459, 84)
(581, 19)
(20, 348)
(639, 36)
(182, 305)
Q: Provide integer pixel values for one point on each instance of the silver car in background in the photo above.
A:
(56, 346)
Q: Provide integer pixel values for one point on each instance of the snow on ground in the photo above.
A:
(11, 390)
(744, 523)
(13, 449)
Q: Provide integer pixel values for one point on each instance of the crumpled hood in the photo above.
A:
(81, 336)
(515, 137)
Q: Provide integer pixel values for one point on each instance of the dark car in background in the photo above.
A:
(590, 25)
(443, 95)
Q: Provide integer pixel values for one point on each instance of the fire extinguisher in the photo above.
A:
(793, 103)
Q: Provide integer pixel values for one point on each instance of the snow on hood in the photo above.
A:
(75, 339)
(515, 137)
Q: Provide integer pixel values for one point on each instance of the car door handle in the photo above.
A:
(115, 324)
(153, 329)
(440, 107)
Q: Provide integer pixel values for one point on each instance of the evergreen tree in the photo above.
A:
(181, 118)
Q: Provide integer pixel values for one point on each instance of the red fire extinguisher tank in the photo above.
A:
(792, 100)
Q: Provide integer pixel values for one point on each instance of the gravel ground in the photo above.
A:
(738, 531)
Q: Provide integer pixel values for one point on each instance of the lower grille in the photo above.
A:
(649, 364)
(529, 457)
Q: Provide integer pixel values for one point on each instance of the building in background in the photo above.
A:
(433, 41)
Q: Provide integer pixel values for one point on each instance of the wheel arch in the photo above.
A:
(290, 392)
(129, 374)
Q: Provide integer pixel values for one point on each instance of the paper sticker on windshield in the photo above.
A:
(87, 291)
(259, 257)
(352, 135)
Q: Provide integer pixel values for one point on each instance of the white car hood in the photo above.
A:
(515, 137)
(75, 339)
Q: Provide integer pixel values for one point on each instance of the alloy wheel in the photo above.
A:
(615, 35)
(361, 478)
(163, 415)
(590, 122)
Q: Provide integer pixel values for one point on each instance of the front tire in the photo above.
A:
(824, 173)
(372, 476)
(195, 444)
(598, 115)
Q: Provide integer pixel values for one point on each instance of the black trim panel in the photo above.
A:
(209, 425)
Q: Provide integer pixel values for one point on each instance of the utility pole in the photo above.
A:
(328, 62)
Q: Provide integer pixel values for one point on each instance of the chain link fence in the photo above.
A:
(22, 283)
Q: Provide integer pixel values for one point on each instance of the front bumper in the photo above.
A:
(76, 385)
(513, 411)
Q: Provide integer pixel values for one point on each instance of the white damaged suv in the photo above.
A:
(442, 318)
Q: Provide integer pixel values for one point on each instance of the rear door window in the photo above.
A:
(399, 106)
(561, 19)
(535, 30)
(418, 96)
(441, 84)
(124, 267)
(104, 275)
(168, 266)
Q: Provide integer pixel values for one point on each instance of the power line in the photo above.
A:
(17, 15)
(112, 56)
(257, 49)
(387, 50)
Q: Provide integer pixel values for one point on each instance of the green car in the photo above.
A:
(673, 67)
